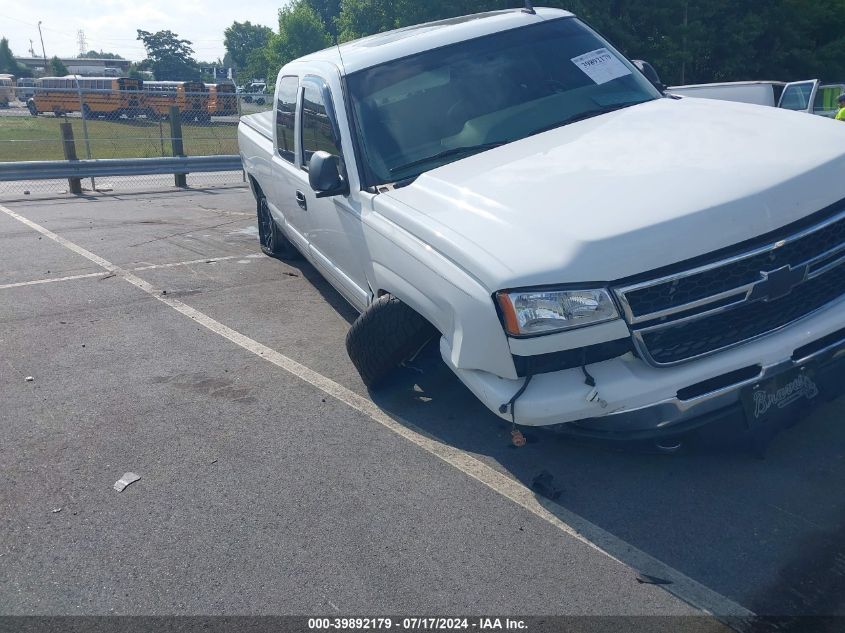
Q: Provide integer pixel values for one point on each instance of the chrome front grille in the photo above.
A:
(683, 316)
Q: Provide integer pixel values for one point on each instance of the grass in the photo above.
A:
(38, 138)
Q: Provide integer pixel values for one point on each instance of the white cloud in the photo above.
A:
(110, 25)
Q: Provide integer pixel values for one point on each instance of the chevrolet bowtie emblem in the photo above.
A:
(777, 283)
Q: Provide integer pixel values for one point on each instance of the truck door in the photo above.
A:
(335, 235)
(827, 100)
(284, 205)
(799, 95)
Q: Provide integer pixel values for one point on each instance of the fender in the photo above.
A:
(454, 302)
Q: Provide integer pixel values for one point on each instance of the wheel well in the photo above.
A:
(256, 188)
(381, 292)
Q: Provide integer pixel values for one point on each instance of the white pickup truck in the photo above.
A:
(591, 254)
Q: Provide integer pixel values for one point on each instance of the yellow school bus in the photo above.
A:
(7, 90)
(191, 97)
(110, 97)
(222, 99)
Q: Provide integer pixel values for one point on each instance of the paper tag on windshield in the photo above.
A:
(601, 65)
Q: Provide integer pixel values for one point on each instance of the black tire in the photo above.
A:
(386, 335)
(273, 241)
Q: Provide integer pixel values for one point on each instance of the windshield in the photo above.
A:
(423, 111)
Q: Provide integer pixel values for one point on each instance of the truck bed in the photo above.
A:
(261, 123)
(255, 141)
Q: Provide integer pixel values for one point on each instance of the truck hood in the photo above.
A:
(624, 193)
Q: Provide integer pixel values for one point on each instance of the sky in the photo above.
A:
(111, 25)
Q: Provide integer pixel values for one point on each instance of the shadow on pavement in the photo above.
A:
(766, 533)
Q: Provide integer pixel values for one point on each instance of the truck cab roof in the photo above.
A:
(376, 49)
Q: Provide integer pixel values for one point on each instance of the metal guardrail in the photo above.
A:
(53, 170)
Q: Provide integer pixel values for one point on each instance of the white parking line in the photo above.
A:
(687, 589)
(207, 260)
(38, 282)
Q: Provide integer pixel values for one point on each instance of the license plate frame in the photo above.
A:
(777, 399)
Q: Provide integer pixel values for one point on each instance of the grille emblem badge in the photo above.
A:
(777, 283)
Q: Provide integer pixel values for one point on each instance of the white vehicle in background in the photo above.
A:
(765, 93)
(811, 96)
(255, 92)
(589, 254)
(25, 89)
(801, 96)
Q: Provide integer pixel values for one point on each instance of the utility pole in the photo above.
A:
(43, 50)
(82, 42)
(31, 48)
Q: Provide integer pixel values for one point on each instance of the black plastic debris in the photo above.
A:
(645, 579)
(543, 484)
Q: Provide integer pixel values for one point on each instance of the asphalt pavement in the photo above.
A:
(273, 482)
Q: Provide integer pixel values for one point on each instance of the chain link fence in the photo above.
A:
(67, 118)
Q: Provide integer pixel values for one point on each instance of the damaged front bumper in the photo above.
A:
(677, 416)
(634, 401)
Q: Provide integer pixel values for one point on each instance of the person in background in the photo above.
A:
(840, 116)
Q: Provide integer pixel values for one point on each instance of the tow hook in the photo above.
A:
(668, 445)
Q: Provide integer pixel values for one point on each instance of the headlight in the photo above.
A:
(542, 311)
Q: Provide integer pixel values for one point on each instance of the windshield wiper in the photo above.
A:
(448, 152)
(589, 114)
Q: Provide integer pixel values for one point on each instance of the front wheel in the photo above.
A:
(387, 334)
(273, 241)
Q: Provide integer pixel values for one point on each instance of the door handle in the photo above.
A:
(301, 201)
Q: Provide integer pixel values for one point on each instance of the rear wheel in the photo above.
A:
(273, 241)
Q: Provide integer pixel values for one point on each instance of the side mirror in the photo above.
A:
(650, 73)
(325, 177)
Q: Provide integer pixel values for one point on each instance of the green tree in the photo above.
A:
(811, 39)
(99, 55)
(301, 31)
(136, 71)
(688, 41)
(169, 57)
(242, 39)
(329, 12)
(57, 67)
(8, 63)
(359, 18)
(256, 67)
